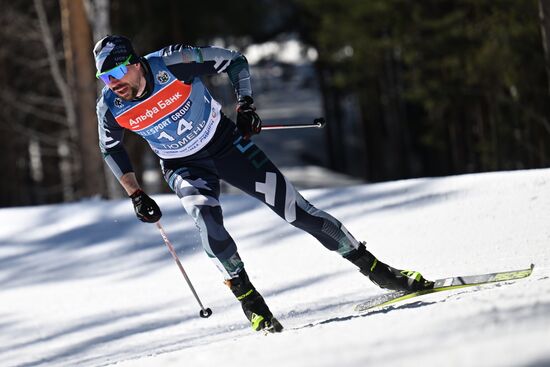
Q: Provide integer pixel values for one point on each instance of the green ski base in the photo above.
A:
(441, 285)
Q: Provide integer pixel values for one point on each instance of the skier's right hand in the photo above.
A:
(146, 209)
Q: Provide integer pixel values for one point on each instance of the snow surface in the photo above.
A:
(86, 284)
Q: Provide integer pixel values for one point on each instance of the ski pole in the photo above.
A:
(204, 312)
(318, 123)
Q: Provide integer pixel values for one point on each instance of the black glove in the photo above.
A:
(248, 121)
(146, 209)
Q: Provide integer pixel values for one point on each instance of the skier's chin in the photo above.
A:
(126, 97)
(126, 94)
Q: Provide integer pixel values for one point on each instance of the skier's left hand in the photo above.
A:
(248, 121)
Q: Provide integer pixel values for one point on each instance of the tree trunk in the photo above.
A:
(544, 16)
(98, 13)
(332, 109)
(77, 39)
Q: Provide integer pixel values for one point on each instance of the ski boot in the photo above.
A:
(386, 276)
(253, 304)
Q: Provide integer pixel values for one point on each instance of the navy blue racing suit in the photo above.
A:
(198, 145)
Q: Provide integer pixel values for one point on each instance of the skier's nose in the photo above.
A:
(113, 80)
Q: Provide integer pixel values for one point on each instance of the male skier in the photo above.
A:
(161, 97)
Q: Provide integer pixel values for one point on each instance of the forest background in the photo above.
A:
(408, 88)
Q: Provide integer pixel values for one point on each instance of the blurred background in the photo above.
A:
(408, 88)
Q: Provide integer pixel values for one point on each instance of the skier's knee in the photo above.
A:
(194, 203)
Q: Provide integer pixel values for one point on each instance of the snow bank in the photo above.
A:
(87, 284)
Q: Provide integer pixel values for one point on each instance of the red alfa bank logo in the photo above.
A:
(156, 107)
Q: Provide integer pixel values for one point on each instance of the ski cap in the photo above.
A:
(112, 50)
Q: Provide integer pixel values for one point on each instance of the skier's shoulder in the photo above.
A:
(101, 102)
(105, 95)
(104, 101)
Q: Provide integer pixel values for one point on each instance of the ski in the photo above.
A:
(441, 285)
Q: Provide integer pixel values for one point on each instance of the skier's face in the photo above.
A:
(128, 87)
